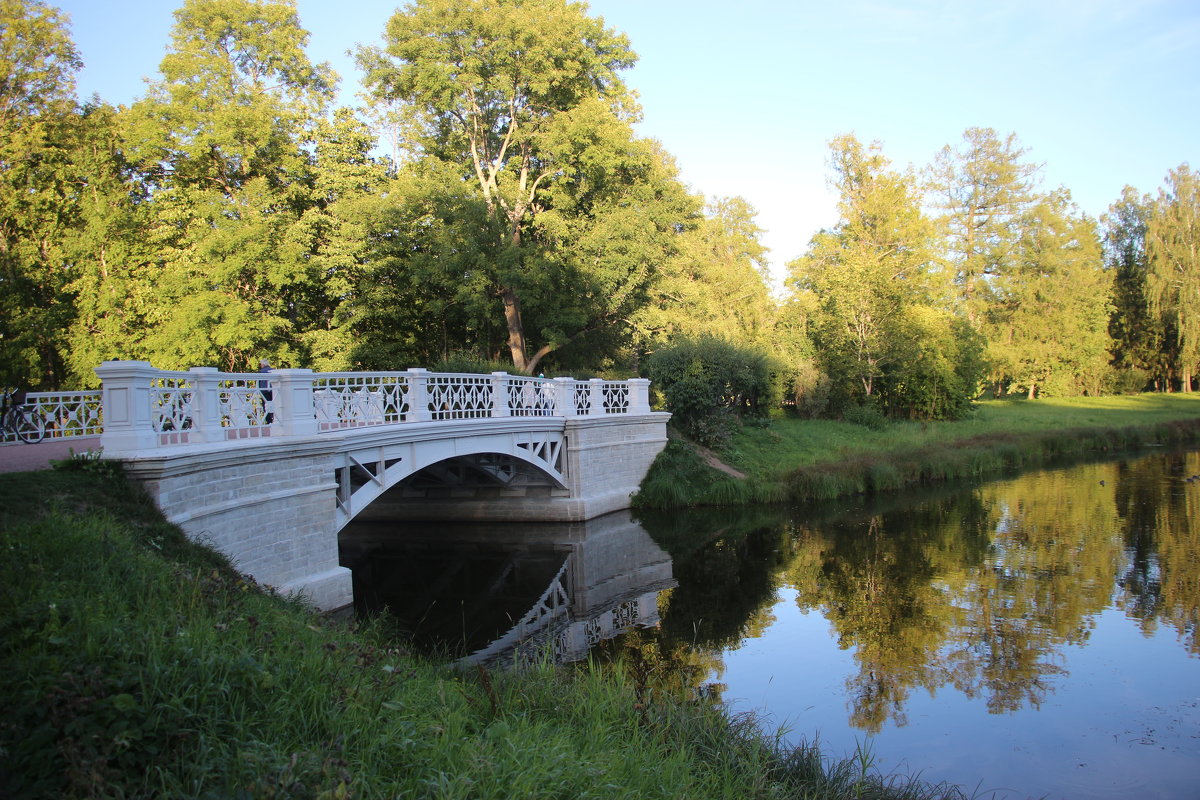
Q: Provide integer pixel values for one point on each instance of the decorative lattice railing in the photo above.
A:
(152, 407)
(64, 414)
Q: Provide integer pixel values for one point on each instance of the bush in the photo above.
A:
(708, 384)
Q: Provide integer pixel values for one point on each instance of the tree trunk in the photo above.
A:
(1032, 391)
(516, 329)
(1186, 382)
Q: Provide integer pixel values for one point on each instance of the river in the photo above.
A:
(1028, 637)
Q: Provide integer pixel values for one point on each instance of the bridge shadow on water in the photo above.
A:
(502, 592)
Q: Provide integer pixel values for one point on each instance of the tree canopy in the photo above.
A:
(234, 212)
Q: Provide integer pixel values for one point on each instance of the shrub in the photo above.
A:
(709, 383)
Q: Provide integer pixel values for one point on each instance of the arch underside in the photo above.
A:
(426, 469)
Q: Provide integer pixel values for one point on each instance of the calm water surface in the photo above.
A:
(1031, 637)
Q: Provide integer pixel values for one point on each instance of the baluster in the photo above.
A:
(564, 397)
(597, 398)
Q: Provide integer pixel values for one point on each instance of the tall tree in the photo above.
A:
(873, 290)
(1140, 343)
(523, 97)
(1048, 327)
(38, 202)
(982, 188)
(224, 142)
(716, 285)
(1173, 251)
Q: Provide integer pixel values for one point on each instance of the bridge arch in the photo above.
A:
(364, 474)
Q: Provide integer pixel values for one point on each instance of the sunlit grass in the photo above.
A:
(799, 459)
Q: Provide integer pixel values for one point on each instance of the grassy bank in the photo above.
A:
(138, 664)
(799, 460)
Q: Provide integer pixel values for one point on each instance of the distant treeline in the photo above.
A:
(234, 212)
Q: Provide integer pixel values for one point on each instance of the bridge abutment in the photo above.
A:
(270, 509)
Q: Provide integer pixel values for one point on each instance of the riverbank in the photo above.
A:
(795, 460)
(140, 664)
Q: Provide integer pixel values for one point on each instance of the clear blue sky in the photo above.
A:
(747, 94)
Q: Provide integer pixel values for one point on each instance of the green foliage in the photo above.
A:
(521, 102)
(799, 460)
(1048, 324)
(870, 289)
(1173, 280)
(709, 384)
(92, 461)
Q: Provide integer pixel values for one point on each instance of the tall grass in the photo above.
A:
(138, 664)
(802, 460)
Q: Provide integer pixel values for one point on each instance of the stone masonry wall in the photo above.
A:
(271, 510)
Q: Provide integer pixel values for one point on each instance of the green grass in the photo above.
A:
(139, 664)
(794, 459)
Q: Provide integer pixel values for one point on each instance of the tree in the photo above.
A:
(1048, 327)
(223, 144)
(1173, 251)
(983, 187)
(716, 284)
(1139, 339)
(523, 98)
(873, 287)
(38, 127)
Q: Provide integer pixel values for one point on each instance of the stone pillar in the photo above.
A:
(418, 395)
(500, 406)
(639, 396)
(295, 409)
(125, 400)
(564, 397)
(206, 406)
(596, 394)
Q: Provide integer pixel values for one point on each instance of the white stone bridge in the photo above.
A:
(269, 467)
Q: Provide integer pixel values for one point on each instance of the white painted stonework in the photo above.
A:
(268, 468)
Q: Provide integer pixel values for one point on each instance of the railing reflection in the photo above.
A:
(510, 593)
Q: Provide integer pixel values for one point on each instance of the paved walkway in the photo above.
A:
(29, 457)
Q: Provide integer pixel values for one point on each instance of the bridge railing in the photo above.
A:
(144, 407)
(64, 414)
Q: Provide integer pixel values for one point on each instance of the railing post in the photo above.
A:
(596, 395)
(295, 409)
(564, 397)
(206, 406)
(639, 396)
(125, 400)
(418, 395)
(500, 405)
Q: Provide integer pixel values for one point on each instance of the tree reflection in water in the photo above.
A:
(976, 590)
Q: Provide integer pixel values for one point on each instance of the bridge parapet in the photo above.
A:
(145, 408)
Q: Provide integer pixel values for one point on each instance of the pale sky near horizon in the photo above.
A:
(747, 95)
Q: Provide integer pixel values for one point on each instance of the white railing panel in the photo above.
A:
(171, 399)
(455, 396)
(354, 399)
(67, 414)
(531, 397)
(246, 403)
(617, 399)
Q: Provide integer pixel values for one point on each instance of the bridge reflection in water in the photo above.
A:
(498, 593)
